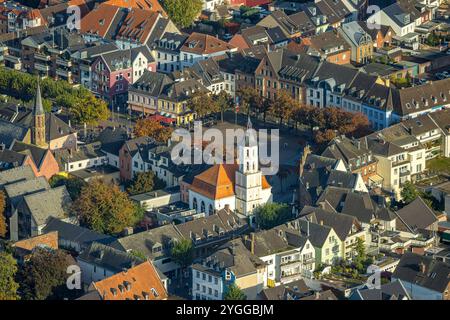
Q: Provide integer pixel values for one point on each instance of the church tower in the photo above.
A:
(248, 176)
(38, 128)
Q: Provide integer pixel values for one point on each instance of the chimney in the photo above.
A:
(252, 243)
(321, 222)
(422, 267)
(227, 207)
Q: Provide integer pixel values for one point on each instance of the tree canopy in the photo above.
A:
(104, 208)
(182, 252)
(234, 293)
(8, 269)
(44, 275)
(148, 127)
(203, 104)
(72, 184)
(145, 182)
(273, 214)
(23, 86)
(89, 110)
(3, 229)
(409, 192)
(183, 12)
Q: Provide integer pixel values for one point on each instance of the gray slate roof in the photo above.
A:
(49, 203)
(415, 215)
(16, 174)
(435, 275)
(108, 258)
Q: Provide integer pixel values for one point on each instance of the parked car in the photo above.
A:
(227, 36)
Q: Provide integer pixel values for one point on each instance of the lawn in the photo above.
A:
(439, 165)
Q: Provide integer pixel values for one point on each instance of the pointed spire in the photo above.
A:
(249, 123)
(38, 107)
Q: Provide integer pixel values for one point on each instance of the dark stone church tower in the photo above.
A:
(38, 129)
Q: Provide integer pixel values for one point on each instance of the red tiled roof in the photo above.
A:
(200, 43)
(99, 20)
(218, 182)
(138, 25)
(49, 240)
(152, 5)
(141, 282)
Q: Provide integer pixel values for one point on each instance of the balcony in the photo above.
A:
(12, 59)
(400, 163)
(42, 67)
(290, 263)
(405, 173)
(63, 73)
(64, 63)
(42, 57)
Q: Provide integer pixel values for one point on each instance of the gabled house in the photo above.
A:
(356, 158)
(328, 248)
(74, 238)
(416, 216)
(35, 209)
(141, 282)
(360, 42)
(362, 206)
(389, 291)
(347, 227)
(24, 248)
(327, 45)
(231, 264)
(127, 27)
(423, 277)
(155, 245)
(41, 160)
(112, 140)
(99, 261)
(115, 71)
(400, 155)
(166, 51)
(199, 46)
(288, 255)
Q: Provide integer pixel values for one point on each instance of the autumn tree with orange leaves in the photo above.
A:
(2, 215)
(151, 128)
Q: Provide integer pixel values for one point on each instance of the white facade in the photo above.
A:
(206, 286)
(85, 164)
(202, 203)
(288, 266)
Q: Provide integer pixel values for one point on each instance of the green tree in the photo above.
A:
(89, 110)
(409, 192)
(273, 214)
(3, 227)
(104, 208)
(44, 276)
(234, 293)
(145, 182)
(282, 106)
(182, 252)
(8, 269)
(148, 127)
(249, 100)
(202, 104)
(73, 185)
(183, 12)
(223, 101)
